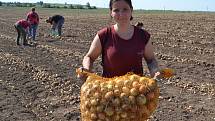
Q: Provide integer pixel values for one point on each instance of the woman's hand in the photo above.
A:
(157, 75)
(82, 73)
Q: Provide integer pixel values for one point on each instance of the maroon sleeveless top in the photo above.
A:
(121, 56)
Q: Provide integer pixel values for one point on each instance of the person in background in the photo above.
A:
(33, 18)
(57, 22)
(139, 24)
(123, 46)
(21, 27)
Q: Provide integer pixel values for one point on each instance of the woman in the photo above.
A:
(139, 24)
(123, 46)
(21, 27)
(33, 18)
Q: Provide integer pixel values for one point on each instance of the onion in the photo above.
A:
(89, 85)
(117, 92)
(99, 108)
(142, 89)
(102, 84)
(103, 101)
(141, 100)
(134, 77)
(104, 89)
(86, 113)
(87, 104)
(96, 82)
(89, 94)
(150, 95)
(126, 90)
(132, 99)
(143, 80)
(124, 115)
(125, 106)
(123, 95)
(116, 117)
(109, 111)
(119, 82)
(134, 109)
(127, 83)
(151, 83)
(134, 92)
(93, 102)
(92, 109)
(116, 87)
(95, 88)
(136, 84)
(97, 95)
(109, 95)
(132, 115)
(84, 88)
(110, 87)
(93, 116)
(116, 101)
(83, 107)
(101, 116)
(90, 78)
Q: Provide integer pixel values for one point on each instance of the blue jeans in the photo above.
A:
(33, 31)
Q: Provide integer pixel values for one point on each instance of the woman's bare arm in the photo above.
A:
(93, 53)
(150, 59)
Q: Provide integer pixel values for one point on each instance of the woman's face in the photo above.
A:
(121, 12)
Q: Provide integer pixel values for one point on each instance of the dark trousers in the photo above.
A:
(58, 26)
(20, 33)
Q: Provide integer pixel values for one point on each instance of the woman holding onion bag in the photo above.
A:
(122, 45)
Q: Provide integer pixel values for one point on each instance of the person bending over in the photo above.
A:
(21, 27)
(57, 22)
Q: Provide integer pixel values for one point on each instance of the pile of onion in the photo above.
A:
(125, 98)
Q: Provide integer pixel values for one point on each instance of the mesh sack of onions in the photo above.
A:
(124, 98)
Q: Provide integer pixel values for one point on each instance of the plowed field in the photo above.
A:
(38, 83)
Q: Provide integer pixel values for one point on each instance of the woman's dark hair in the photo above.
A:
(127, 1)
(33, 9)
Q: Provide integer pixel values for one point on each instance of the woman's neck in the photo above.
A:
(123, 28)
(125, 32)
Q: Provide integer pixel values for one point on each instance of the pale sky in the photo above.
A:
(183, 5)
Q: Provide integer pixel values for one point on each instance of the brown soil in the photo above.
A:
(38, 82)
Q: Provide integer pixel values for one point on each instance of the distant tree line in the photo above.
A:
(17, 4)
(48, 5)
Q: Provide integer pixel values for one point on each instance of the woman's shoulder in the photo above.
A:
(104, 33)
(105, 29)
